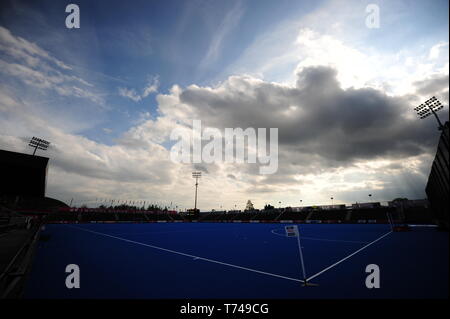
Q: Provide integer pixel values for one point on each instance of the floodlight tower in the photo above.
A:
(431, 106)
(38, 143)
(196, 175)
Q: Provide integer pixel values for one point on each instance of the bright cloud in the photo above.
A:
(152, 87)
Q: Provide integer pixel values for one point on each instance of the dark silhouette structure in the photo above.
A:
(22, 175)
(437, 188)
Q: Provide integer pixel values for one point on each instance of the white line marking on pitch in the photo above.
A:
(188, 255)
(343, 259)
(165, 232)
(321, 239)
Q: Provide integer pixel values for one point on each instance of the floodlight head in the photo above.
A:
(196, 174)
(429, 107)
(423, 111)
(38, 143)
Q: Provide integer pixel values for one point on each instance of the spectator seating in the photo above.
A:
(335, 214)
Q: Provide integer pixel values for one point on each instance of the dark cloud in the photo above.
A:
(432, 85)
(201, 167)
(320, 124)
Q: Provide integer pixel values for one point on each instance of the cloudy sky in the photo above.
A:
(108, 95)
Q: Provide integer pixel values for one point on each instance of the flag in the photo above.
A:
(291, 230)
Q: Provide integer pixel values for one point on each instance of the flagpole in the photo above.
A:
(301, 254)
(390, 221)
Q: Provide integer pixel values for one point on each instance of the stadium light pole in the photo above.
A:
(196, 175)
(430, 106)
(332, 201)
(38, 143)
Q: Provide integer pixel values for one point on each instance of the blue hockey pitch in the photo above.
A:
(238, 260)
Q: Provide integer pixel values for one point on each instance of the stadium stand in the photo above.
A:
(63, 216)
(370, 214)
(97, 216)
(211, 216)
(331, 215)
(418, 215)
(438, 185)
(18, 167)
(265, 215)
(401, 210)
(293, 215)
(177, 217)
(132, 217)
(247, 215)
